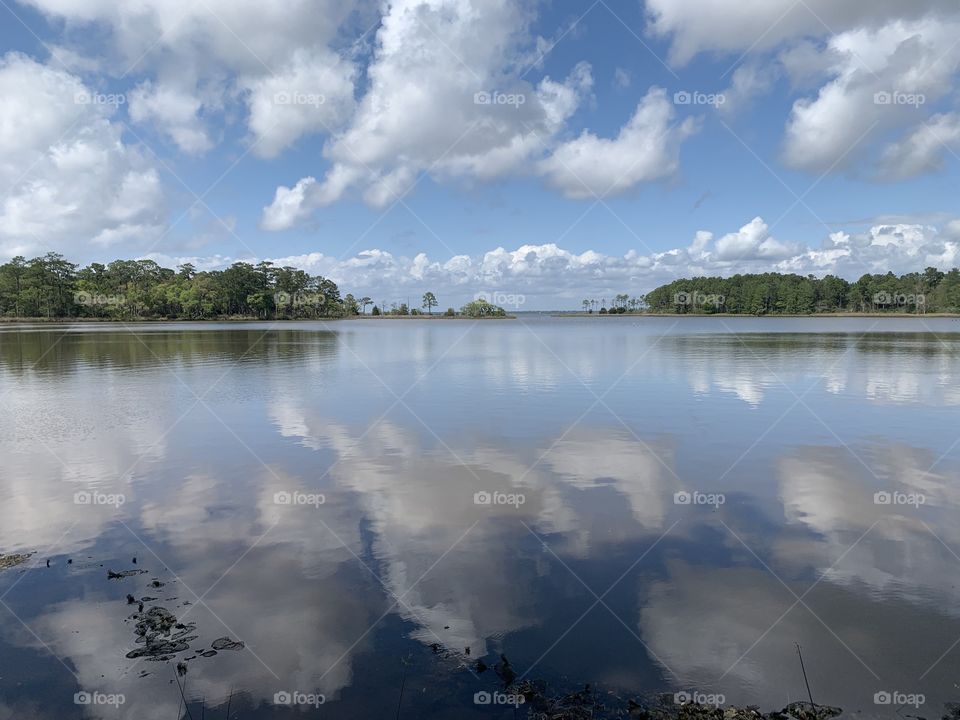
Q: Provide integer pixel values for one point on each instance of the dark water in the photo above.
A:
(187, 441)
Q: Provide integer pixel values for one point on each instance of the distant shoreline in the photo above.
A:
(94, 320)
(552, 314)
(771, 316)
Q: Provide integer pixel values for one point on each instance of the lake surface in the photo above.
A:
(646, 505)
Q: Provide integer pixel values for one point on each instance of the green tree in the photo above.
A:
(482, 308)
(429, 302)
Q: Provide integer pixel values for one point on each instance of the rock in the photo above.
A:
(226, 643)
(504, 671)
(111, 575)
(154, 630)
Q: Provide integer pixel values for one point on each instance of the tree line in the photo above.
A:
(52, 287)
(930, 291)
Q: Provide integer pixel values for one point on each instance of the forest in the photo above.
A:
(930, 291)
(52, 287)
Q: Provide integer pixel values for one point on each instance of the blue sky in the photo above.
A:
(347, 138)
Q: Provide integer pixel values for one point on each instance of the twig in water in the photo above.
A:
(807, 682)
(186, 705)
(403, 681)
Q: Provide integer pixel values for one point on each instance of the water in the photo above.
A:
(182, 444)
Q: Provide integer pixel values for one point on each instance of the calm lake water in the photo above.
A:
(646, 505)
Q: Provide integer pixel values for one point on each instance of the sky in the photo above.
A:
(542, 152)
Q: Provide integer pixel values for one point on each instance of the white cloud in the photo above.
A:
(752, 242)
(287, 206)
(174, 111)
(646, 148)
(72, 179)
(312, 93)
(882, 79)
(923, 149)
(201, 57)
(696, 26)
(446, 97)
(549, 276)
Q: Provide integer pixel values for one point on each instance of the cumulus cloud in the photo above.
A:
(312, 93)
(882, 80)
(72, 179)
(174, 111)
(696, 26)
(201, 57)
(923, 149)
(752, 242)
(646, 148)
(442, 100)
(549, 276)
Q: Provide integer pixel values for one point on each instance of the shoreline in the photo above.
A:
(461, 318)
(122, 321)
(758, 317)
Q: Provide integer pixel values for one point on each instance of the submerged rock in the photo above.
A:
(111, 575)
(155, 631)
(226, 643)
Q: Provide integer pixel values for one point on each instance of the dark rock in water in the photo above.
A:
(504, 671)
(140, 607)
(134, 561)
(48, 562)
(157, 584)
(70, 561)
(181, 669)
(154, 630)
(481, 667)
(130, 599)
(466, 650)
(111, 575)
(208, 653)
(226, 643)
(805, 711)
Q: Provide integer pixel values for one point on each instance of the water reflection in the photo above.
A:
(399, 428)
